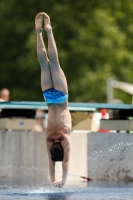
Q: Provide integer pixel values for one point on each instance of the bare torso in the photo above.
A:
(59, 122)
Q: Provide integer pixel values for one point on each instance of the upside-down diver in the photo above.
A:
(55, 92)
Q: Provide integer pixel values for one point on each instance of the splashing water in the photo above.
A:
(112, 164)
(103, 164)
(49, 193)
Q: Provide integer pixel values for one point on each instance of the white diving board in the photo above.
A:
(72, 106)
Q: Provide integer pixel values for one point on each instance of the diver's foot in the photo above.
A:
(47, 24)
(39, 22)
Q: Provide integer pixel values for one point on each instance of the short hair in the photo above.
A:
(57, 152)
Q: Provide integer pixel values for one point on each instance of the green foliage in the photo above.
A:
(94, 40)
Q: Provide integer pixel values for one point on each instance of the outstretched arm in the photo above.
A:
(51, 163)
(51, 169)
(65, 163)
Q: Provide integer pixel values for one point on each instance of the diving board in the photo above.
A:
(82, 113)
(42, 105)
(72, 106)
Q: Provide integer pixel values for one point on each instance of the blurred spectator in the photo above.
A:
(4, 94)
(41, 121)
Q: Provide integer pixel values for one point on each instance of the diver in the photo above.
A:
(55, 92)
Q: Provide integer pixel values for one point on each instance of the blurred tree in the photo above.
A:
(94, 40)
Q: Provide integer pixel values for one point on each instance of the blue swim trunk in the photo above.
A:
(53, 96)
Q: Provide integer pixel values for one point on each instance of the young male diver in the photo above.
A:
(55, 92)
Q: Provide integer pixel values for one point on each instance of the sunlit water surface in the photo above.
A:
(93, 191)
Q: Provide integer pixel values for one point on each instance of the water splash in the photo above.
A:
(112, 164)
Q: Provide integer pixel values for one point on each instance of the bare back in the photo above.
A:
(59, 120)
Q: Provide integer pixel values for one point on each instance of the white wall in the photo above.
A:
(23, 158)
(110, 156)
(100, 156)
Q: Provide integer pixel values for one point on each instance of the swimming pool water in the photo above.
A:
(96, 191)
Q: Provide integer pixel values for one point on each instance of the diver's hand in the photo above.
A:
(59, 184)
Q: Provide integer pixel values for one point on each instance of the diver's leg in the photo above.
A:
(46, 81)
(58, 77)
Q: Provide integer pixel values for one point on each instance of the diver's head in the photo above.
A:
(57, 152)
